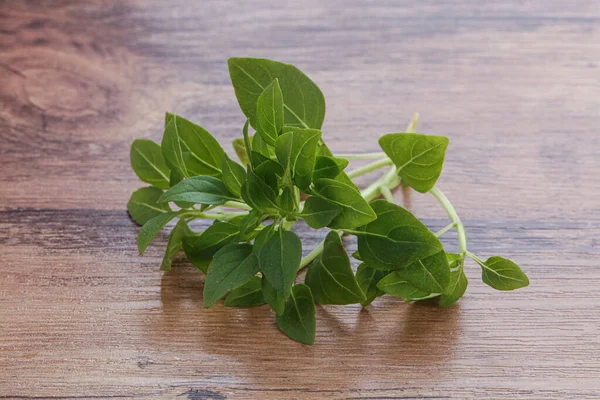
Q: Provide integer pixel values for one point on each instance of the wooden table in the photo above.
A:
(515, 85)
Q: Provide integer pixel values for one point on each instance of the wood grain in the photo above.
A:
(513, 84)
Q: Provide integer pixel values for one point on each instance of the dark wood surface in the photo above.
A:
(514, 84)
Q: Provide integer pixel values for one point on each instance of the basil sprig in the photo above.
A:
(286, 173)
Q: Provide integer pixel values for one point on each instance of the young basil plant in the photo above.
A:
(286, 173)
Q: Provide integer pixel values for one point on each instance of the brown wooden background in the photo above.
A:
(514, 84)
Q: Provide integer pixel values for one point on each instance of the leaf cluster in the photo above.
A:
(286, 173)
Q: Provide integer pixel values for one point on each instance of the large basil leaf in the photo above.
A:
(456, 288)
(149, 164)
(296, 151)
(272, 297)
(318, 212)
(269, 110)
(298, 319)
(304, 105)
(259, 194)
(430, 274)
(328, 167)
(418, 158)
(143, 204)
(395, 239)
(330, 276)
(355, 211)
(231, 267)
(200, 190)
(398, 285)
(279, 260)
(191, 149)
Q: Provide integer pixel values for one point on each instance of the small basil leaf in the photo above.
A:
(502, 274)
(397, 285)
(259, 195)
(296, 151)
(279, 260)
(240, 149)
(367, 279)
(395, 239)
(430, 274)
(151, 229)
(270, 295)
(287, 199)
(260, 146)
(330, 277)
(355, 210)
(143, 204)
(231, 267)
(298, 319)
(318, 212)
(199, 189)
(328, 167)
(175, 244)
(269, 112)
(149, 164)
(247, 295)
(456, 288)
(200, 249)
(304, 103)
(234, 175)
(249, 223)
(419, 158)
(356, 256)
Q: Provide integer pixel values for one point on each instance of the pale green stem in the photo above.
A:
(444, 230)
(237, 204)
(460, 228)
(310, 257)
(364, 156)
(387, 194)
(365, 169)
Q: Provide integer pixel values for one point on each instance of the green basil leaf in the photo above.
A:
(172, 149)
(395, 239)
(330, 277)
(231, 267)
(260, 146)
(298, 319)
(355, 210)
(240, 149)
(269, 112)
(430, 274)
(200, 249)
(397, 285)
(234, 175)
(318, 212)
(296, 151)
(200, 190)
(175, 243)
(419, 158)
(143, 204)
(272, 297)
(168, 118)
(279, 260)
(149, 164)
(263, 236)
(356, 256)
(304, 104)
(456, 288)
(328, 167)
(247, 295)
(151, 229)
(287, 200)
(202, 153)
(265, 168)
(249, 223)
(367, 279)
(259, 195)
(502, 274)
